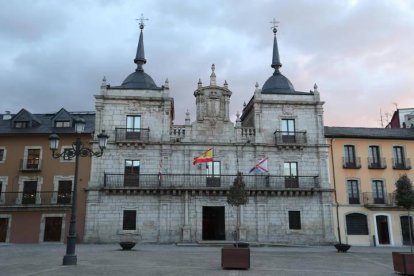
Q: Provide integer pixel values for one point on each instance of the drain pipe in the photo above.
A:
(335, 195)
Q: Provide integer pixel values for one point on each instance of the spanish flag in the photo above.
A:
(207, 156)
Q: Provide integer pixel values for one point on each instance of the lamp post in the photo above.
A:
(77, 150)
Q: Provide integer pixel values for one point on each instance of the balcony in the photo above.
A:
(401, 164)
(290, 139)
(137, 135)
(377, 164)
(351, 164)
(155, 183)
(35, 199)
(30, 165)
(373, 201)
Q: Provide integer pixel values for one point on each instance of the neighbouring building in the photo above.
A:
(146, 185)
(365, 163)
(35, 189)
(402, 118)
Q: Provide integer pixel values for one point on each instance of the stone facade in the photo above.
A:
(176, 201)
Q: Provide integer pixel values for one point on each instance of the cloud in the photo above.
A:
(54, 54)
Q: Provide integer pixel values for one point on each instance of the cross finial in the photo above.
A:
(141, 21)
(274, 23)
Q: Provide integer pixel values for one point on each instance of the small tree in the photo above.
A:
(238, 196)
(405, 198)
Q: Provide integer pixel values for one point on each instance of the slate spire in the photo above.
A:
(140, 57)
(276, 60)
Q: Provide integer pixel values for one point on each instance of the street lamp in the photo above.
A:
(77, 150)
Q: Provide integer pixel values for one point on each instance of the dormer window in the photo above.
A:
(21, 124)
(62, 124)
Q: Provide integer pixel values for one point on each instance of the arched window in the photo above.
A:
(356, 224)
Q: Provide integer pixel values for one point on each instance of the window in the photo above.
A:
(2, 155)
(33, 159)
(213, 174)
(21, 124)
(130, 220)
(400, 163)
(353, 192)
(66, 157)
(378, 191)
(294, 220)
(29, 192)
(131, 173)
(350, 160)
(62, 124)
(133, 130)
(290, 171)
(64, 195)
(374, 159)
(1, 189)
(356, 224)
(288, 130)
(134, 122)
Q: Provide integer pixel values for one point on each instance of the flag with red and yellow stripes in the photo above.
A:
(205, 157)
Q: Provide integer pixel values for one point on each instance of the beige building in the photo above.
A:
(35, 189)
(364, 165)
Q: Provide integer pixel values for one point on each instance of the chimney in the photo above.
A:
(7, 116)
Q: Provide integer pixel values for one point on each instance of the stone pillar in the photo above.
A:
(186, 230)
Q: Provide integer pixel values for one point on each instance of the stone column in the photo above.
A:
(186, 230)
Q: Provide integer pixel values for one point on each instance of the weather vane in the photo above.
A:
(141, 21)
(274, 23)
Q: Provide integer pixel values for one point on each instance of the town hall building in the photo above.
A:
(146, 185)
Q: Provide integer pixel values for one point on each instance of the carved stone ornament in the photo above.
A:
(288, 110)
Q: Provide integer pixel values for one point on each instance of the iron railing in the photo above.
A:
(375, 163)
(31, 199)
(290, 137)
(373, 199)
(30, 165)
(401, 164)
(131, 134)
(202, 181)
(351, 164)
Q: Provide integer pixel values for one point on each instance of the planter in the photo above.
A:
(236, 258)
(342, 247)
(127, 245)
(403, 262)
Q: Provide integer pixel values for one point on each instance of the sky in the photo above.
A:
(54, 54)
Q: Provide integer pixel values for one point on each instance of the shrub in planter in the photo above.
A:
(238, 256)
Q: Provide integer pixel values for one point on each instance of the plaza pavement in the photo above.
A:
(155, 259)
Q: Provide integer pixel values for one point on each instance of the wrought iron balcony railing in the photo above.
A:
(34, 199)
(384, 200)
(131, 134)
(194, 181)
(351, 164)
(290, 137)
(401, 164)
(375, 163)
(30, 165)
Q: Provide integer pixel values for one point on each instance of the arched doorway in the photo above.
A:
(382, 229)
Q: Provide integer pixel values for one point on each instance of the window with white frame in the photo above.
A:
(2, 154)
(65, 158)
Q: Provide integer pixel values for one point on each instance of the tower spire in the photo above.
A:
(276, 60)
(140, 56)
